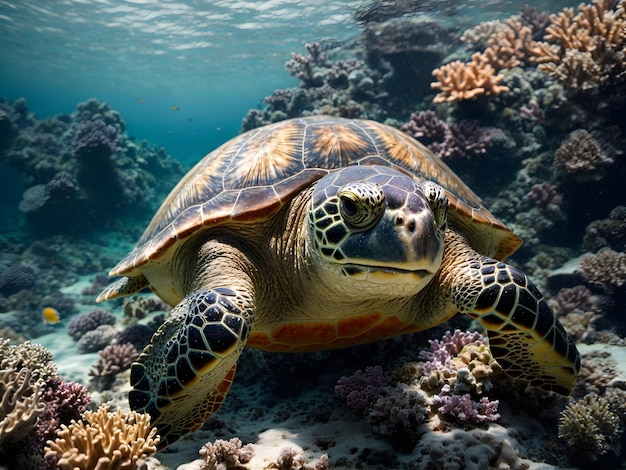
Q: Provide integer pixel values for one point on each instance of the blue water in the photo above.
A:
(211, 61)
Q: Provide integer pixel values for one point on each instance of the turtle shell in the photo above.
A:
(252, 176)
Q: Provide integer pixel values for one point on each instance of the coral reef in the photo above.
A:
(589, 428)
(103, 439)
(89, 321)
(82, 170)
(458, 81)
(581, 157)
(97, 339)
(223, 454)
(606, 268)
(584, 50)
(20, 402)
(113, 359)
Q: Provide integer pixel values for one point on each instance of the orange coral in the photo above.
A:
(459, 81)
(508, 47)
(584, 50)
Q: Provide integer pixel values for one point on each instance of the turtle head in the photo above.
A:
(377, 227)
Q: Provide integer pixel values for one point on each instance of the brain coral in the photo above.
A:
(89, 321)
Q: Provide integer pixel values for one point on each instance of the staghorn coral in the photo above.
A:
(20, 402)
(458, 81)
(103, 439)
(589, 428)
(225, 455)
(362, 387)
(606, 268)
(585, 50)
(508, 46)
(113, 359)
(442, 351)
(581, 157)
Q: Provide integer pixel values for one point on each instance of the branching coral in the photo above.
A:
(584, 50)
(226, 455)
(20, 402)
(464, 409)
(459, 81)
(589, 427)
(104, 440)
(113, 359)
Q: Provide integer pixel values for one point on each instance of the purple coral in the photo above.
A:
(65, 401)
(425, 126)
(451, 344)
(89, 321)
(113, 359)
(362, 387)
(16, 277)
(462, 139)
(94, 137)
(464, 408)
(97, 339)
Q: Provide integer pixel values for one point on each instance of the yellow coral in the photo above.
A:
(104, 440)
(589, 427)
(20, 404)
(458, 81)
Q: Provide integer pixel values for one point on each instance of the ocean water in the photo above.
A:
(547, 159)
(210, 60)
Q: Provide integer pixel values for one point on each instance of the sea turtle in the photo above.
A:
(319, 233)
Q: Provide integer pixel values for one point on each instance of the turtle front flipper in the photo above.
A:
(182, 377)
(525, 337)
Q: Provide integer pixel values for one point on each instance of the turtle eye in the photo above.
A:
(361, 204)
(438, 202)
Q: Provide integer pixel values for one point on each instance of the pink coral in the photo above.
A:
(465, 409)
(451, 344)
(360, 388)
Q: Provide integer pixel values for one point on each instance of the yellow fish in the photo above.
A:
(50, 316)
(141, 100)
(175, 108)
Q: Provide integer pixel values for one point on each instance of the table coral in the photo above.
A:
(103, 439)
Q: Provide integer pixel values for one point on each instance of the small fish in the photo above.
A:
(50, 316)
(175, 108)
(141, 100)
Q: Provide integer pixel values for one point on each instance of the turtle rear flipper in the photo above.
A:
(183, 376)
(525, 337)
